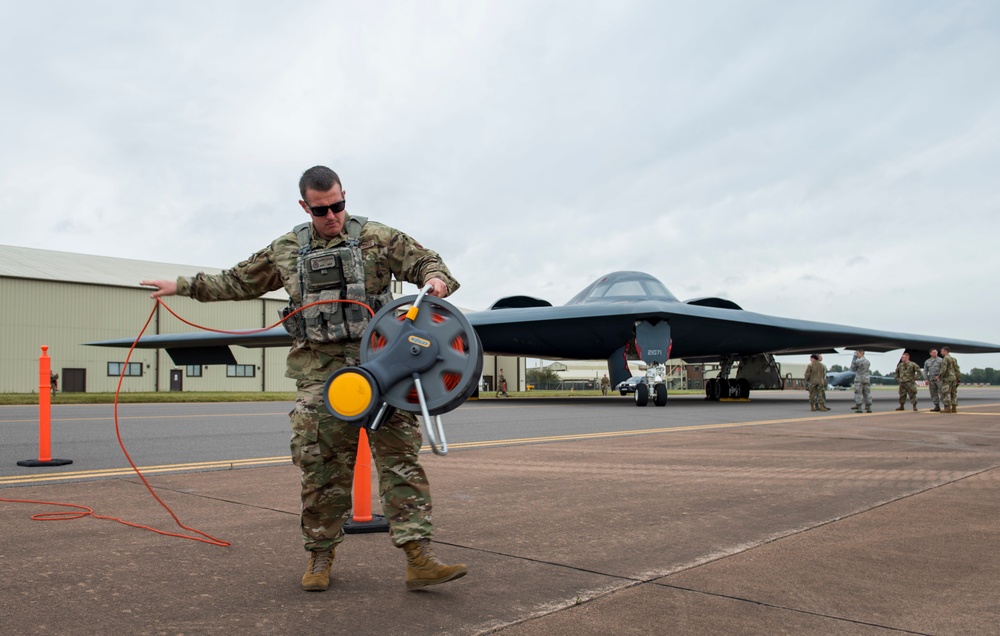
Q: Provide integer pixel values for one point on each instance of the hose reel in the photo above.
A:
(418, 354)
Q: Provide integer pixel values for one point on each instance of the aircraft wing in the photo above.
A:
(620, 315)
(593, 332)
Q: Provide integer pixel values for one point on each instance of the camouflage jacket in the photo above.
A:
(949, 370)
(932, 368)
(815, 372)
(386, 252)
(907, 372)
(862, 370)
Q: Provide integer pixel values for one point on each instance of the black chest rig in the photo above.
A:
(334, 273)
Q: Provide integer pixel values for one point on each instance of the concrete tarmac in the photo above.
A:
(831, 523)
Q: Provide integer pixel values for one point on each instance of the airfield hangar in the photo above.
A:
(63, 300)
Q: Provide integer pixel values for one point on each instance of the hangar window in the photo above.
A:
(193, 371)
(240, 371)
(132, 368)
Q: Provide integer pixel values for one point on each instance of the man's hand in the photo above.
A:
(163, 287)
(438, 287)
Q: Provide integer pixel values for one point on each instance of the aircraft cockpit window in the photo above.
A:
(629, 289)
(621, 286)
(621, 289)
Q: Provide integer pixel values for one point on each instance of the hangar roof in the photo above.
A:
(36, 264)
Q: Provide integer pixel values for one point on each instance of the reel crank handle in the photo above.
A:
(435, 429)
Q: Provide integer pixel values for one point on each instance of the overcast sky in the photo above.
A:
(828, 161)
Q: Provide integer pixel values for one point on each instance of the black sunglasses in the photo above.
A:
(322, 210)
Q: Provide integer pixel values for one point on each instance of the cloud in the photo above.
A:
(830, 162)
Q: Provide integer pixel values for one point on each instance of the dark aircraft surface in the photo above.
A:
(620, 316)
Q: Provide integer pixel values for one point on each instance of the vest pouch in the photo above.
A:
(295, 326)
(357, 316)
(325, 322)
(323, 270)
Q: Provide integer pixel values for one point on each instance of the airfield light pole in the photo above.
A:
(44, 416)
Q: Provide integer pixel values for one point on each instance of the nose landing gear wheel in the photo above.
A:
(641, 394)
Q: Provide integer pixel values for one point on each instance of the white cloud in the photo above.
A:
(831, 162)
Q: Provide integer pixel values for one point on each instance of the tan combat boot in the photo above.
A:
(954, 408)
(812, 407)
(423, 568)
(317, 576)
(914, 407)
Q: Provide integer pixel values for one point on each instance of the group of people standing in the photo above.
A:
(941, 372)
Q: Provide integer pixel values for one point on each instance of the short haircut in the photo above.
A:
(814, 356)
(318, 178)
(946, 349)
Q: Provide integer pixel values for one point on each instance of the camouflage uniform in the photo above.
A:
(815, 378)
(950, 375)
(932, 371)
(862, 383)
(322, 446)
(907, 374)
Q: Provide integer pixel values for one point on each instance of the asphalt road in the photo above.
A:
(214, 436)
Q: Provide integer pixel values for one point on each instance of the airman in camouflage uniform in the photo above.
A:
(862, 381)
(815, 378)
(907, 373)
(322, 446)
(950, 377)
(932, 372)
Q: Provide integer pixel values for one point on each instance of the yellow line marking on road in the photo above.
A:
(146, 470)
(131, 418)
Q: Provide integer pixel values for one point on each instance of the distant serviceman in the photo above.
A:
(950, 377)
(816, 383)
(906, 374)
(932, 373)
(605, 384)
(862, 381)
(502, 385)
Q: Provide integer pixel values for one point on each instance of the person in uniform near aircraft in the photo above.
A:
(950, 377)
(907, 373)
(53, 382)
(932, 373)
(862, 381)
(605, 384)
(502, 385)
(366, 256)
(815, 378)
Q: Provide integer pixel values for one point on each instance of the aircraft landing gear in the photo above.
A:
(641, 394)
(659, 394)
(721, 388)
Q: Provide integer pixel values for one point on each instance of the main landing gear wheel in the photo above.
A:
(454, 375)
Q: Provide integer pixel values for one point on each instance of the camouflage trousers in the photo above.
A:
(325, 449)
(817, 395)
(908, 390)
(863, 393)
(949, 394)
(935, 388)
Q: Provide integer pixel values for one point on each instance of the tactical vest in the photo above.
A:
(334, 273)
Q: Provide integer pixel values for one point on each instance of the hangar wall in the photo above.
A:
(65, 315)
